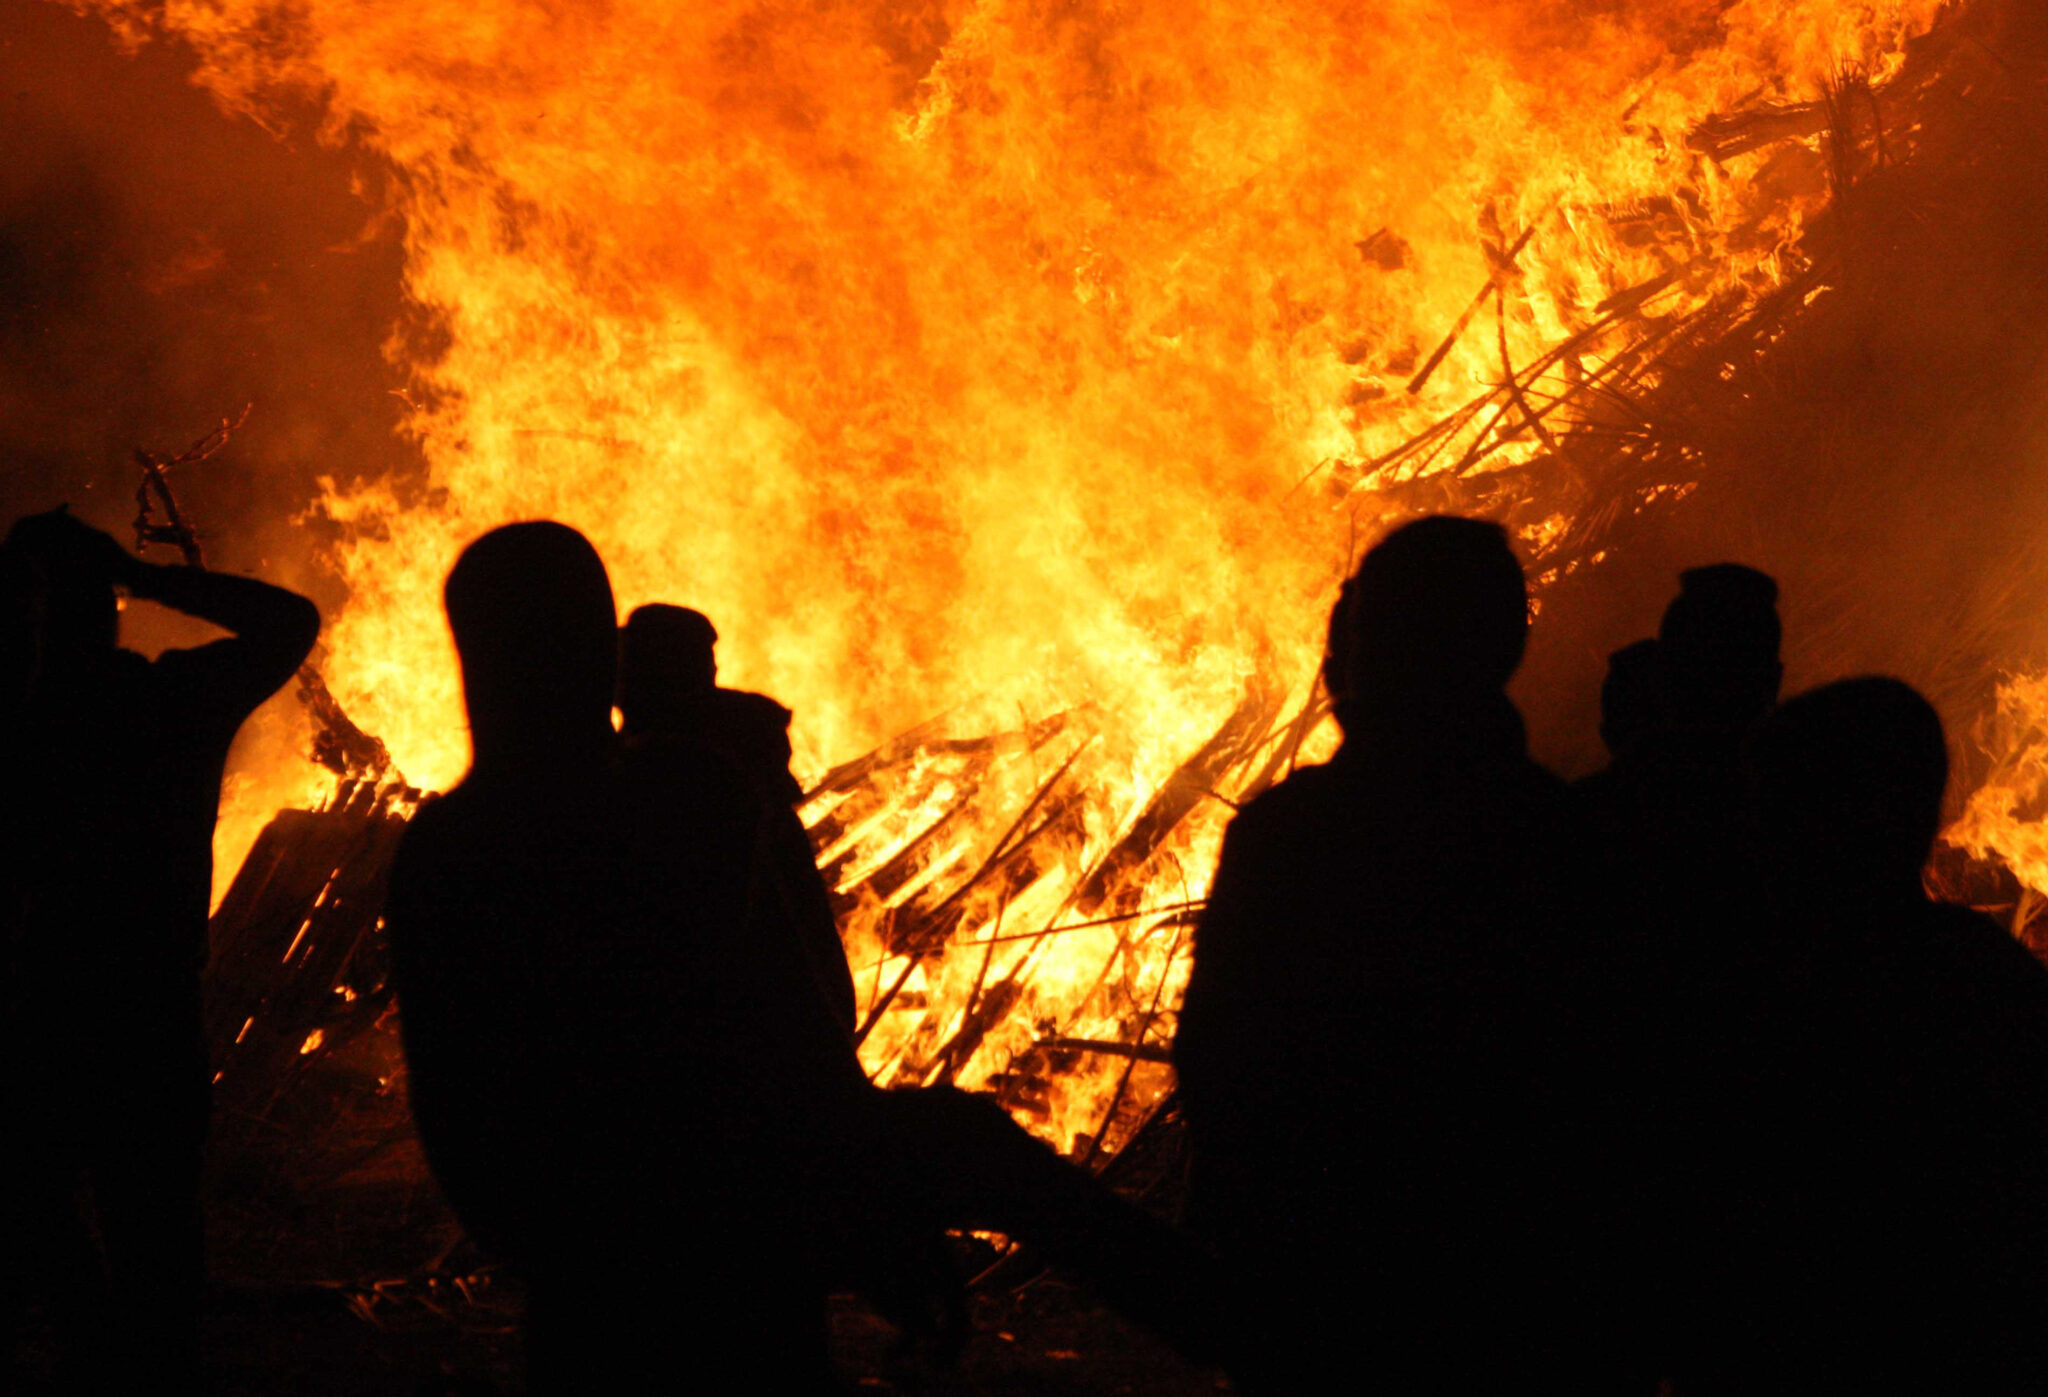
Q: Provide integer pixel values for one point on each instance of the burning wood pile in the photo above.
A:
(1017, 892)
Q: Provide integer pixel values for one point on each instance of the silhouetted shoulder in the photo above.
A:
(422, 844)
(1985, 943)
(447, 831)
(443, 880)
(1306, 794)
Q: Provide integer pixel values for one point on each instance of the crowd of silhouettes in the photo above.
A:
(1672, 1080)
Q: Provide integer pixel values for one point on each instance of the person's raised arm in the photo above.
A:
(272, 630)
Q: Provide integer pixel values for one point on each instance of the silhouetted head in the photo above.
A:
(1719, 649)
(1849, 785)
(531, 608)
(1436, 617)
(1629, 696)
(666, 665)
(81, 615)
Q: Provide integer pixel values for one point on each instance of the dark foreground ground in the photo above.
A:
(423, 1315)
(448, 1338)
(1044, 1339)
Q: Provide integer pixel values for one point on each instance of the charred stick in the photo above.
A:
(1123, 1081)
(1511, 380)
(1141, 1052)
(1179, 795)
(1501, 268)
(1003, 844)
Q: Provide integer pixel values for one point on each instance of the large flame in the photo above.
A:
(2003, 819)
(978, 349)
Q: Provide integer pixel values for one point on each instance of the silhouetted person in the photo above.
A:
(124, 758)
(1382, 1009)
(669, 694)
(1675, 712)
(668, 685)
(1897, 1136)
(623, 1070)
(1679, 892)
(1629, 698)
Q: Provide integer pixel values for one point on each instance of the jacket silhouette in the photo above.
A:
(1383, 1008)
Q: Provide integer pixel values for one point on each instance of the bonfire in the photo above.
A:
(962, 419)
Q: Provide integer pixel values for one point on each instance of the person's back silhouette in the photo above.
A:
(123, 759)
(1629, 698)
(669, 696)
(615, 1067)
(1381, 1003)
(1899, 1138)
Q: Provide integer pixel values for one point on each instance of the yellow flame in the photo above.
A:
(979, 349)
(2004, 817)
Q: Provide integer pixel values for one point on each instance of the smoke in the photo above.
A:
(1888, 461)
(162, 265)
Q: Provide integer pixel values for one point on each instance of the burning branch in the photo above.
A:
(154, 492)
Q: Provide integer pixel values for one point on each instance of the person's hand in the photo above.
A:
(67, 544)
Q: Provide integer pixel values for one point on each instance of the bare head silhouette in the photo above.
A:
(1629, 696)
(531, 608)
(666, 663)
(1719, 649)
(1437, 614)
(78, 566)
(1849, 786)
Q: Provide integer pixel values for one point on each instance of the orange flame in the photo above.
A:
(980, 349)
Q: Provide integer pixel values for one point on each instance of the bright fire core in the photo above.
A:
(1030, 357)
